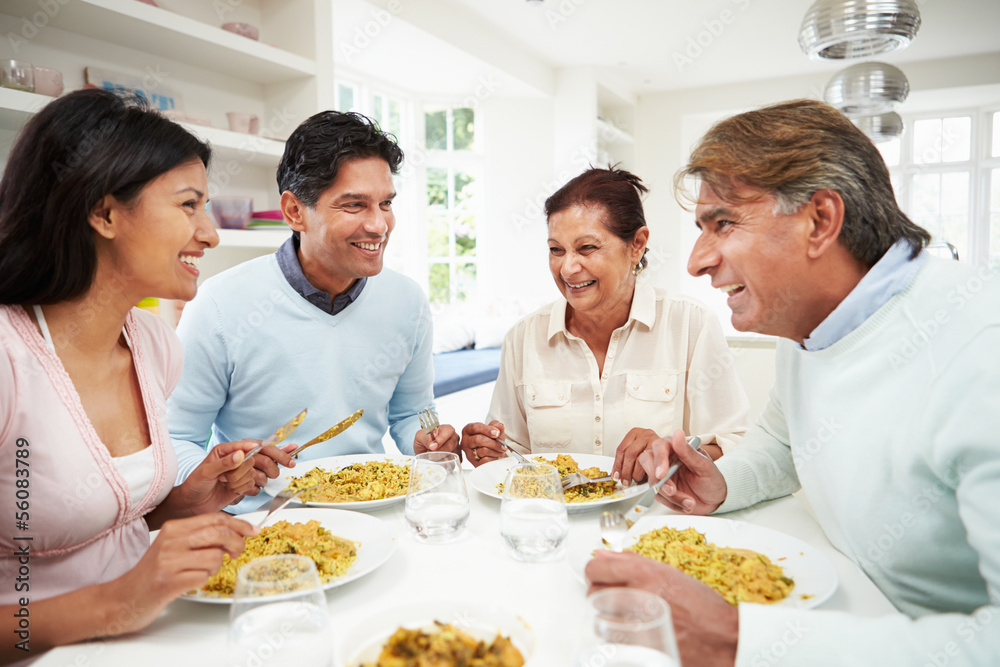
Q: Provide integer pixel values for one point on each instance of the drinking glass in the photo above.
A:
(627, 627)
(278, 617)
(17, 74)
(437, 502)
(533, 519)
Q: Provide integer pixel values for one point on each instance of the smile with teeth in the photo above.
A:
(731, 289)
(579, 285)
(190, 260)
(368, 246)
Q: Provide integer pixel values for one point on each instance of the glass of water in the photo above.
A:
(278, 617)
(627, 627)
(533, 520)
(437, 502)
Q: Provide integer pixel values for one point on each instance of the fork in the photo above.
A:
(614, 528)
(428, 420)
(283, 499)
(578, 478)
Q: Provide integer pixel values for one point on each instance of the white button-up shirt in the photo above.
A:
(667, 367)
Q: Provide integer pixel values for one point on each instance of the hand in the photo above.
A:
(266, 462)
(441, 439)
(626, 468)
(696, 488)
(478, 442)
(707, 627)
(222, 478)
(182, 558)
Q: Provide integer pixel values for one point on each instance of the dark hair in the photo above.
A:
(615, 190)
(322, 143)
(793, 149)
(75, 151)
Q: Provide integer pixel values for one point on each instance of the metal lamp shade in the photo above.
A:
(867, 89)
(841, 29)
(883, 127)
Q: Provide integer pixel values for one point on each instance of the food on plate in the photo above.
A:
(446, 646)
(372, 480)
(740, 575)
(585, 492)
(333, 555)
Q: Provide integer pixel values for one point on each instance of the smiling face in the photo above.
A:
(343, 237)
(591, 266)
(758, 258)
(154, 244)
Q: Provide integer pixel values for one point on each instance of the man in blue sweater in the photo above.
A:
(884, 409)
(318, 324)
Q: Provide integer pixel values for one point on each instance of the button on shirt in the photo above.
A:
(288, 260)
(667, 367)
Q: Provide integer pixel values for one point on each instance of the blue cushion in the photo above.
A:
(454, 371)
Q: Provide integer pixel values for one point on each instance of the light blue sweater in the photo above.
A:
(893, 433)
(256, 353)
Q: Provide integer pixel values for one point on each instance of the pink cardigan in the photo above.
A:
(82, 524)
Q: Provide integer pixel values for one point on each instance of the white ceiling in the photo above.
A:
(654, 44)
(642, 45)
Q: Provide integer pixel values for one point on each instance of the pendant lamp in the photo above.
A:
(842, 29)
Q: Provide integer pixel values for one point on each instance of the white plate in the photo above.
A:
(364, 641)
(486, 477)
(333, 464)
(376, 541)
(812, 571)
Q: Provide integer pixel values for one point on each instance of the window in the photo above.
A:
(946, 172)
(453, 184)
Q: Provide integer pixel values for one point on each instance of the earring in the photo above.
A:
(637, 269)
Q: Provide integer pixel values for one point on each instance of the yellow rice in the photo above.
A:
(373, 480)
(447, 646)
(584, 493)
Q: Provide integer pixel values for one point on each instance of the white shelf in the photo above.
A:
(157, 31)
(244, 148)
(17, 106)
(252, 238)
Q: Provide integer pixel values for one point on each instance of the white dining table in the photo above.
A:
(549, 597)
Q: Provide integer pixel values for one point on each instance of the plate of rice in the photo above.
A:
(488, 479)
(355, 482)
(430, 632)
(344, 545)
(742, 561)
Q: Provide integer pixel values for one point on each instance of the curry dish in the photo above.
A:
(585, 492)
(446, 646)
(373, 480)
(333, 555)
(740, 575)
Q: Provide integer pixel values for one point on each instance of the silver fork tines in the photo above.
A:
(614, 528)
(428, 420)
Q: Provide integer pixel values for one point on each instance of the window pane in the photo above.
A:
(927, 141)
(465, 189)
(437, 236)
(396, 118)
(436, 128)
(465, 282)
(437, 187)
(465, 129)
(465, 236)
(941, 206)
(995, 213)
(439, 282)
(996, 135)
(345, 97)
(377, 114)
(956, 139)
(890, 151)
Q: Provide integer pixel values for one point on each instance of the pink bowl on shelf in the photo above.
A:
(231, 212)
(244, 29)
(48, 81)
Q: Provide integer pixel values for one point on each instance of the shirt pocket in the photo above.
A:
(650, 402)
(549, 414)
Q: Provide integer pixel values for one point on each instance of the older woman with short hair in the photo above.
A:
(616, 363)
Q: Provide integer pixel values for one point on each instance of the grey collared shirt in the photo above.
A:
(288, 260)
